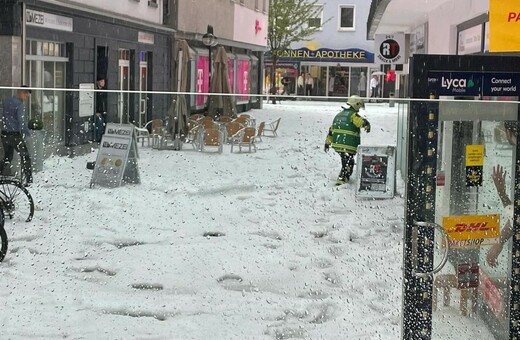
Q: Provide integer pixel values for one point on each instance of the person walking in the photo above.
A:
(14, 131)
(374, 86)
(344, 135)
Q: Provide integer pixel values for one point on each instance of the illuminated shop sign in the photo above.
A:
(326, 54)
(474, 83)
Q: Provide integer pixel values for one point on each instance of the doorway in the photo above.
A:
(461, 279)
(124, 86)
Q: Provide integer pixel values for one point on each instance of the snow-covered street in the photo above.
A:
(211, 246)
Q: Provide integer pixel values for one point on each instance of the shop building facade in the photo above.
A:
(338, 58)
(70, 45)
(241, 27)
(458, 27)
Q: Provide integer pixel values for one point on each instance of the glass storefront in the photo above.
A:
(45, 68)
(336, 81)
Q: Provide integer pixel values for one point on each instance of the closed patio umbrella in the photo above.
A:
(221, 105)
(178, 113)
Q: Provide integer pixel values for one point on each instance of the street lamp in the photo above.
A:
(209, 40)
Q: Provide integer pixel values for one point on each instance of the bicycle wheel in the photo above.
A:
(17, 202)
(3, 237)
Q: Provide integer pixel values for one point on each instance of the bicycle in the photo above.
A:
(3, 236)
(15, 200)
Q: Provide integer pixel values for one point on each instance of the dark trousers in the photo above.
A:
(14, 141)
(308, 90)
(347, 165)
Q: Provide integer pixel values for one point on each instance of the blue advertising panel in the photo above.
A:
(445, 83)
(501, 84)
(455, 83)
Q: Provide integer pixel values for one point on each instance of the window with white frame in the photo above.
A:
(153, 3)
(347, 17)
(316, 20)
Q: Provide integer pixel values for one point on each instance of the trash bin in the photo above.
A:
(35, 144)
(391, 102)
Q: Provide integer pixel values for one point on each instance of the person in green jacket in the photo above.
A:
(344, 135)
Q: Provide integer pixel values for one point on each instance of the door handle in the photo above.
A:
(143, 105)
(414, 248)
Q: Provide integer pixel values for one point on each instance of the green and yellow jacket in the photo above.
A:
(344, 134)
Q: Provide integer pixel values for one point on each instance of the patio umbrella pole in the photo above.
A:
(177, 143)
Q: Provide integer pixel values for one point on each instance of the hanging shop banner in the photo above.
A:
(472, 231)
(202, 79)
(390, 48)
(474, 165)
(376, 171)
(445, 83)
(116, 162)
(350, 55)
(504, 21)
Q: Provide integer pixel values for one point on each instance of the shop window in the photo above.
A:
(45, 48)
(316, 18)
(257, 5)
(264, 6)
(346, 17)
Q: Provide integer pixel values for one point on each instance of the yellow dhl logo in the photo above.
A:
(474, 227)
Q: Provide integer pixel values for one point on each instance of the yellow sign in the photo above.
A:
(472, 231)
(474, 155)
(504, 25)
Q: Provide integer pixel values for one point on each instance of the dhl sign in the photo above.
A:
(472, 231)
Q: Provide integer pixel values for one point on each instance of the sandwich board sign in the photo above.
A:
(116, 162)
(375, 171)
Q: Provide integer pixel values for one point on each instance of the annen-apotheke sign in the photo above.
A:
(48, 20)
(446, 83)
(355, 55)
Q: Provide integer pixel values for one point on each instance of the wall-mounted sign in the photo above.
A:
(470, 40)
(504, 20)
(48, 20)
(353, 55)
(390, 48)
(86, 100)
(472, 231)
(445, 83)
(145, 38)
(474, 165)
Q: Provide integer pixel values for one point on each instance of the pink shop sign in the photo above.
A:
(202, 79)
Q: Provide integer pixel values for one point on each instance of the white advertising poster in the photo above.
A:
(375, 171)
(48, 20)
(390, 48)
(86, 100)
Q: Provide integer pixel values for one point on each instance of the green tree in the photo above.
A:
(290, 21)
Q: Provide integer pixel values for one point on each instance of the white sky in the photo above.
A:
(313, 261)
